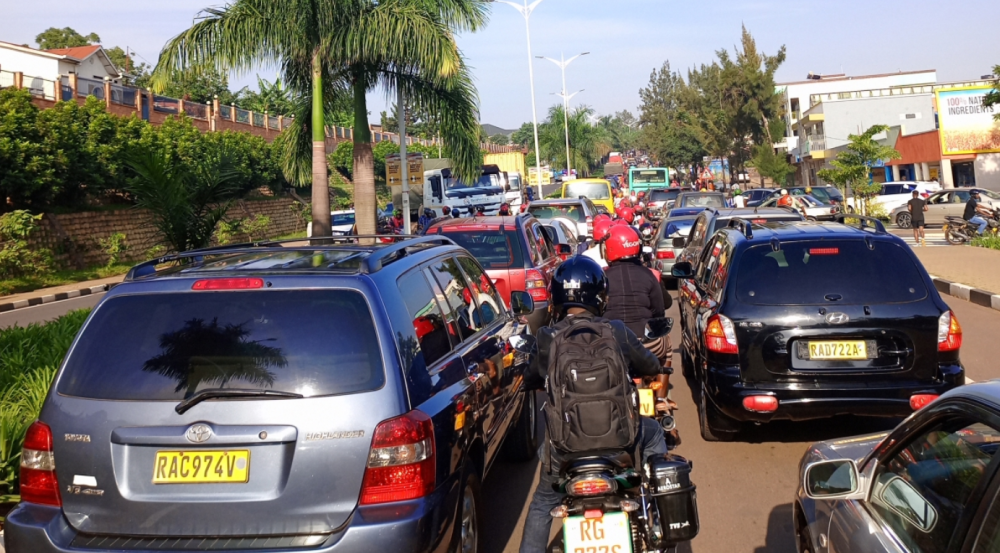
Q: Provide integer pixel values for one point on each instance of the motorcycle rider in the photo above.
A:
(785, 200)
(504, 209)
(975, 210)
(424, 222)
(579, 289)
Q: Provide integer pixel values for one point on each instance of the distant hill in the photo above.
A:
(492, 130)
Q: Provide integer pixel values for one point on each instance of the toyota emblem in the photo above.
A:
(837, 318)
(199, 433)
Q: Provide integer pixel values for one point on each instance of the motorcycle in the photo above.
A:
(958, 231)
(648, 257)
(616, 505)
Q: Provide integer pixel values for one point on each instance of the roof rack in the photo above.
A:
(879, 226)
(744, 225)
(378, 255)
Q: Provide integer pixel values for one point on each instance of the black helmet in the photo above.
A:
(579, 282)
(428, 212)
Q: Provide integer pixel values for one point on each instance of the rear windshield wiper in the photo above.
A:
(230, 393)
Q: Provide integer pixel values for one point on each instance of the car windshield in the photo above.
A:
(650, 176)
(829, 272)
(592, 190)
(569, 211)
(171, 346)
(339, 219)
(701, 200)
(515, 182)
(493, 249)
(663, 195)
(989, 194)
(485, 181)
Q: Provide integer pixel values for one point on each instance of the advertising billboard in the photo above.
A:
(967, 125)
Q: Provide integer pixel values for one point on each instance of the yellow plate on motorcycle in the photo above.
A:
(647, 405)
(611, 533)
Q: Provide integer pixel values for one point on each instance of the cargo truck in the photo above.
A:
(511, 165)
(442, 188)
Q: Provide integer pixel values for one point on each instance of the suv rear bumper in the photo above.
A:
(805, 401)
(409, 526)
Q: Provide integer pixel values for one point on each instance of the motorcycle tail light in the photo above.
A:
(583, 486)
(593, 513)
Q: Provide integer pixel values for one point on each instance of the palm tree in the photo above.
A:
(354, 44)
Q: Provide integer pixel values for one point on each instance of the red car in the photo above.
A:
(516, 253)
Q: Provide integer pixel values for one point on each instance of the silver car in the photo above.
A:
(810, 207)
(664, 247)
(929, 485)
(946, 203)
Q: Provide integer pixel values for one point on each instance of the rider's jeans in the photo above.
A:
(977, 220)
(539, 522)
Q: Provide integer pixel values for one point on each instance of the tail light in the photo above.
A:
(949, 332)
(665, 254)
(228, 284)
(535, 285)
(720, 335)
(401, 461)
(919, 401)
(590, 225)
(38, 467)
(589, 485)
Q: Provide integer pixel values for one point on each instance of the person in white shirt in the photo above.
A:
(596, 252)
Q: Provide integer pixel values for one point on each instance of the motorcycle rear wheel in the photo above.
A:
(953, 238)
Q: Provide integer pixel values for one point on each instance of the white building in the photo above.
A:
(91, 64)
(801, 96)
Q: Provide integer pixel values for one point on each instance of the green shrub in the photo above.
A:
(29, 359)
(116, 248)
(17, 258)
(988, 241)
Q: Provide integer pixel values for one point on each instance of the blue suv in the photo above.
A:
(332, 396)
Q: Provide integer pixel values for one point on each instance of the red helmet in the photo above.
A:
(627, 214)
(640, 207)
(619, 222)
(423, 326)
(601, 229)
(601, 217)
(641, 195)
(623, 243)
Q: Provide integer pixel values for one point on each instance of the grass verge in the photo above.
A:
(59, 278)
(990, 242)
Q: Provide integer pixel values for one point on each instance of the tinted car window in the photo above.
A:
(699, 230)
(494, 249)
(813, 272)
(342, 219)
(172, 346)
(592, 190)
(890, 189)
(663, 195)
(922, 491)
(678, 227)
(428, 320)
(459, 306)
(698, 200)
(723, 222)
(571, 212)
(485, 294)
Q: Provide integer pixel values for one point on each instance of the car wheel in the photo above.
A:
(810, 218)
(802, 542)
(712, 421)
(668, 300)
(522, 442)
(687, 370)
(468, 537)
(903, 220)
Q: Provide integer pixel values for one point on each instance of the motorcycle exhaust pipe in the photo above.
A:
(668, 423)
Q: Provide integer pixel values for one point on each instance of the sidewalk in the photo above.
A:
(56, 293)
(975, 267)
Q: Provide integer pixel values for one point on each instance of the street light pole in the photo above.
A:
(562, 62)
(525, 11)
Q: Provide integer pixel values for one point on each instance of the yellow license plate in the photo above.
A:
(202, 467)
(843, 350)
(608, 534)
(647, 405)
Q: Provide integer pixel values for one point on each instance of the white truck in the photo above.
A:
(442, 188)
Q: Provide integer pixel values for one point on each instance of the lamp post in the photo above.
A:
(562, 62)
(525, 10)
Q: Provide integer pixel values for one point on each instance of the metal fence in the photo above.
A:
(89, 87)
(242, 116)
(272, 122)
(198, 111)
(164, 104)
(258, 119)
(6, 78)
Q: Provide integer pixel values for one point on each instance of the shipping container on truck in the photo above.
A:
(512, 172)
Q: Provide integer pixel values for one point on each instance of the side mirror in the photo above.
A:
(831, 479)
(521, 303)
(682, 269)
(522, 343)
(564, 249)
(680, 242)
(658, 327)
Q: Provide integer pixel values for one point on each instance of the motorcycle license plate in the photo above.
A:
(608, 534)
(647, 404)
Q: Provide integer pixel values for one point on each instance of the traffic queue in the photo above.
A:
(352, 393)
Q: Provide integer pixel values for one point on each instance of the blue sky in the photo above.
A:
(627, 40)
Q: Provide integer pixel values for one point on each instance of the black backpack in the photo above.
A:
(591, 402)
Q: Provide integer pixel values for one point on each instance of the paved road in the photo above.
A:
(745, 488)
(46, 312)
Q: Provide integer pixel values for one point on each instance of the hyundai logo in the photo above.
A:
(199, 433)
(837, 318)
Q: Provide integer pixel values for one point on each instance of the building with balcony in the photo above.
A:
(90, 64)
(801, 96)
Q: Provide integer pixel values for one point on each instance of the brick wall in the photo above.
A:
(74, 237)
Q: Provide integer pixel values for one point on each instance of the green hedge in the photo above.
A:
(29, 359)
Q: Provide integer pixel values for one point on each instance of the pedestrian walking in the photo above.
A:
(917, 206)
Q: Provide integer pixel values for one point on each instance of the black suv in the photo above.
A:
(711, 220)
(333, 397)
(810, 320)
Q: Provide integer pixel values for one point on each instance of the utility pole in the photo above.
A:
(404, 164)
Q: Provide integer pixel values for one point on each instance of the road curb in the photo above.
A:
(49, 298)
(967, 293)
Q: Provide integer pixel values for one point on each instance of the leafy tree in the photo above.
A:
(500, 139)
(524, 136)
(419, 122)
(771, 164)
(993, 96)
(135, 74)
(200, 85)
(64, 38)
(186, 202)
(668, 132)
(852, 169)
(584, 139)
(271, 98)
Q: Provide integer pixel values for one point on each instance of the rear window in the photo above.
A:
(723, 222)
(708, 200)
(829, 272)
(678, 227)
(493, 249)
(649, 176)
(342, 219)
(571, 212)
(592, 190)
(663, 195)
(172, 346)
